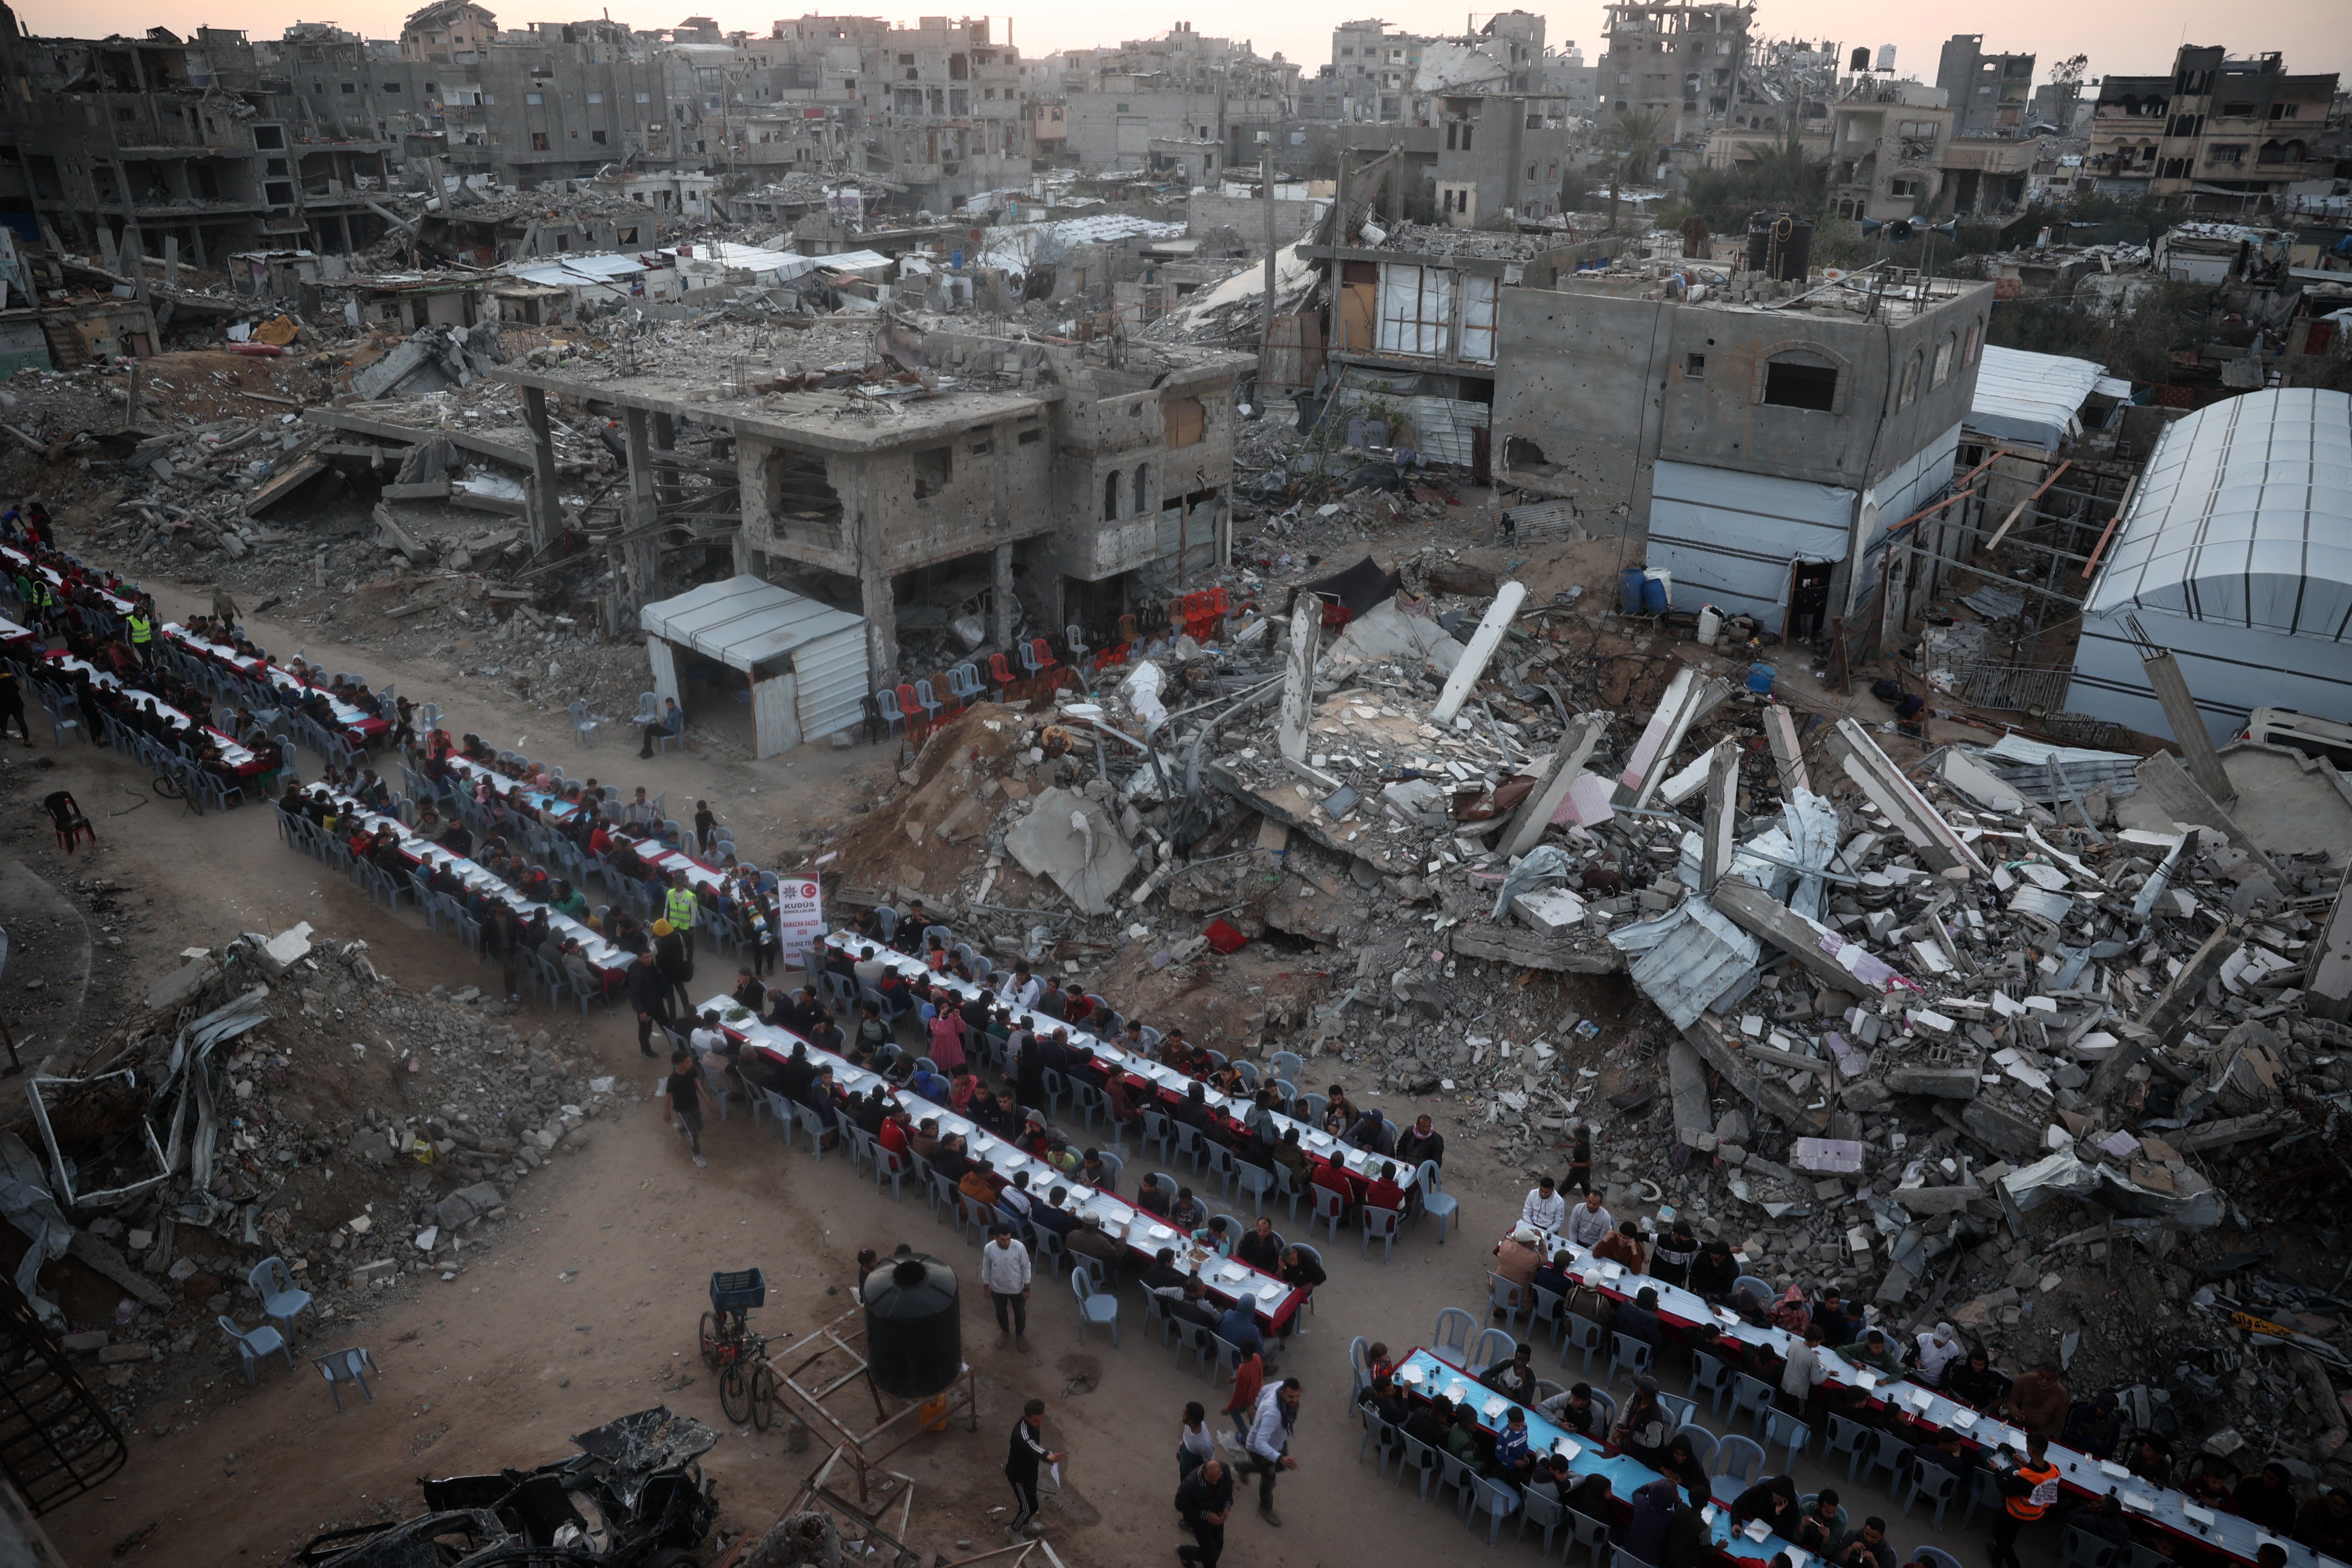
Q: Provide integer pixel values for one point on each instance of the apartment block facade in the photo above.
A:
(2226, 132)
(1987, 94)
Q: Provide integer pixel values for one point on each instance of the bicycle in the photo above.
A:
(749, 1388)
(170, 788)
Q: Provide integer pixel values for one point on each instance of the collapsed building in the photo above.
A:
(988, 479)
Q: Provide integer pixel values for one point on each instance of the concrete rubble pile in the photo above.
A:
(2050, 1061)
(279, 1097)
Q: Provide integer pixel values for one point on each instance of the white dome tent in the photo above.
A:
(2237, 555)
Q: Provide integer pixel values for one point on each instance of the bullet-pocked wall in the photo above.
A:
(1600, 387)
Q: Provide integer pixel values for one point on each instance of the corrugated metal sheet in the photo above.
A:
(1729, 538)
(2024, 765)
(743, 622)
(1695, 960)
(1441, 427)
(2028, 398)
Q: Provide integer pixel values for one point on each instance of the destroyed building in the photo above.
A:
(1898, 151)
(995, 479)
(1767, 439)
(208, 145)
(1988, 93)
(2217, 131)
(1684, 62)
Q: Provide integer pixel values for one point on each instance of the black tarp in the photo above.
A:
(1362, 587)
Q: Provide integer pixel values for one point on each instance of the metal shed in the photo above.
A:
(805, 660)
(2032, 400)
(2237, 555)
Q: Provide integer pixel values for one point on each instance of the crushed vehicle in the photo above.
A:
(634, 1497)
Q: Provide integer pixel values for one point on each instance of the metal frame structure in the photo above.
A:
(813, 1374)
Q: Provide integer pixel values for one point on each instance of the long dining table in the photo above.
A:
(241, 761)
(1226, 1280)
(602, 956)
(1424, 1374)
(350, 717)
(1166, 1083)
(1927, 1410)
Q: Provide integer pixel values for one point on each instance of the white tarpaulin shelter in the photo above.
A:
(805, 661)
(2031, 399)
(713, 259)
(2237, 555)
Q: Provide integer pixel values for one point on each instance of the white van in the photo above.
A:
(2323, 739)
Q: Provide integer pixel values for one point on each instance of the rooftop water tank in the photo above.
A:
(914, 1327)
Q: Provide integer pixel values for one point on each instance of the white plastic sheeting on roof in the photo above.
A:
(765, 266)
(2243, 518)
(2031, 398)
(572, 271)
(745, 623)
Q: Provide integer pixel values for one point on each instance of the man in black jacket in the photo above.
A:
(649, 999)
(1205, 1498)
(1026, 1455)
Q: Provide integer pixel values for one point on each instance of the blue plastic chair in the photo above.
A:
(1453, 1329)
(253, 1344)
(1380, 1225)
(1094, 1306)
(1711, 1376)
(1497, 1499)
(281, 1301)
(1737, 1461)
(340, 1367)
(1435, 1200)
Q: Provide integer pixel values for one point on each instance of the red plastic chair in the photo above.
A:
(1039, 661)
(910, 705)
(1000, 676)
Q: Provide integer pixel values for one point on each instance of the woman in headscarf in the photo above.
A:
(1791, 1311)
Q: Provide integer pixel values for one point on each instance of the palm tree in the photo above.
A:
(1782, 173)
(1632, 136)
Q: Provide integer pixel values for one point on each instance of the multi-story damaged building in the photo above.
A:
(211, 142)
(2229, 134)
(1062, 484)
(1182, 101)
(1986, 93)
(1896, 151)
(1684, 60)
(943, 117)
(1762, 452)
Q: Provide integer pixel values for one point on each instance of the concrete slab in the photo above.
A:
(1073, 841)
(286, 949)
(1475, 658)
(2290, 804)
(1385, 634)
(179, 986)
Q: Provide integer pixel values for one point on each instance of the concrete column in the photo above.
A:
(641, 466)
(666, 442)
(1000, 627)
(546, 519)
(2187, 725)
(879, 606)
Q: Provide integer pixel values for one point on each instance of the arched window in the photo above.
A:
(1798, 376)
(1110, 496)
(1943, 366)
(1910, 387)
(1969, 348)
(1141, 494)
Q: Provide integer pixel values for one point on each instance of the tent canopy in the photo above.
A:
(744, 622)
(1357, 587)
(2030, 398)
(2243, 518)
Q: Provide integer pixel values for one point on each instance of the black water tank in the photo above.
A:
(1779, 245)
(914, 1327)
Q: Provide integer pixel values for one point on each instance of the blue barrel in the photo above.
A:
(1654, 595)
(1630, 583)
(1759, 679)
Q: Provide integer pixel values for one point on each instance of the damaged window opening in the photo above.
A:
(1111, 497)
(1792, 383)
(802, 500)
(934, 466)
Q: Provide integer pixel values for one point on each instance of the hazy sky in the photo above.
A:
(2133, 38)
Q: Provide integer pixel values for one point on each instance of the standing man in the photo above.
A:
(1205, 1498)
(12, 705)
(224, 611)
(141, 624)
(684, 1089)
(2026, 1494)
(1006, 1270)
(679, 907)
(1027, 1454)
(1269, 1442)
(648, 998)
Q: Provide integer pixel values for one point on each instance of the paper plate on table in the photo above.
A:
(1411, 1375)
(2195, 1515)
(1757, 1530)
(1459, 1391)
(1962, 1418)
(1566, 1449)
(2111, 1467)
(1495, 1409)
(1160, 1233)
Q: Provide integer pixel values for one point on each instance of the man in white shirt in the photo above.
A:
(1269, 1444)
(1545, 1208)
(707, 1036)
(1005, 1271)
(1016, 1199)
(1020, 989)
(1588, 1222)
(1803, 1372)
(1939, 1348)
(868, 970)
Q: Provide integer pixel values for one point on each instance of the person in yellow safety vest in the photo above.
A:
(143, 631)
(2027, 1493)
(679, 907)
